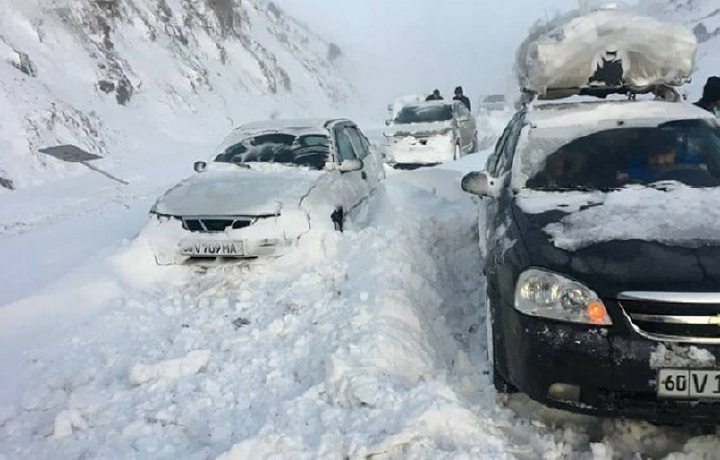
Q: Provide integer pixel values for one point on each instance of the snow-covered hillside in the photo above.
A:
(703, 16)
(132, 78)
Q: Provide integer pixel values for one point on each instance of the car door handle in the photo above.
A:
(363, 175)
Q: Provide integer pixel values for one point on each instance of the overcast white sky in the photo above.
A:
(408, 46)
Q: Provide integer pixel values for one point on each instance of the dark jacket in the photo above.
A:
(705, 105)
(464, 99)
(434, 97)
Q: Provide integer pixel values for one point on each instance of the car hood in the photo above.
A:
(419, 129)
(657, 239)
(237, 191)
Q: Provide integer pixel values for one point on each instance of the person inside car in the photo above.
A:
(710, 100)
(460, 96)
(648, 164)
(435, 96)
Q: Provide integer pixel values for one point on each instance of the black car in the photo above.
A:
(602, 245)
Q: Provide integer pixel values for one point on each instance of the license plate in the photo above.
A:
(688, 384)
(212, 248)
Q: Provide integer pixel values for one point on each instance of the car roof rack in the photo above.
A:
(662, 92)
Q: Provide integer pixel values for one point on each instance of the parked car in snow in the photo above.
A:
(271, 183)
(428, 133)
(492, 103)
(602, 256)
(401, 101)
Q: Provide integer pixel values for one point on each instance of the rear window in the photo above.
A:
(424, 114)
(310, 151)
(494, 98)
(686, 151)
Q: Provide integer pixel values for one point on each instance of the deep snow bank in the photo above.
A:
(359, 350)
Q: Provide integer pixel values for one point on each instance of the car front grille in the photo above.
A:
(216, 224)
(696, 319)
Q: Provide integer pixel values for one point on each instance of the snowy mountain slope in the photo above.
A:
(703, 16)
(124, 78)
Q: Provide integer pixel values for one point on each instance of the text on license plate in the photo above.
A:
(688, 383)
(211, 248)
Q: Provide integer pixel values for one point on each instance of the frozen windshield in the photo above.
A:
(311, 151)
(424, 114)
(686, 151)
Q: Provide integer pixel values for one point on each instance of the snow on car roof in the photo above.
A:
(428, 103)
(589, 113)
(309, 124)
(297, 127)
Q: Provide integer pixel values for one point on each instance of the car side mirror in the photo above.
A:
(200, 166)
(481, 184)
(351, 165)
(388, 122)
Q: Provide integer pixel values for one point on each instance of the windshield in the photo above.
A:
(310, 151)
(424, 114)
(686, 151)
(494, 98)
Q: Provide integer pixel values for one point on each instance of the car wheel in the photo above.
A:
(499, 382)
(338, 218)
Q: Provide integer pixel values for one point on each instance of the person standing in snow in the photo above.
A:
(459, 96)
(435, 96)
(710, 100)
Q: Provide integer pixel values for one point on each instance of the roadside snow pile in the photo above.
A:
(363, 353)
(170, 369)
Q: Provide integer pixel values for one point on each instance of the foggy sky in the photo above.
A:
(408, 46)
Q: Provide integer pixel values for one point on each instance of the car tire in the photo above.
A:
(501, 384)
(338, 218)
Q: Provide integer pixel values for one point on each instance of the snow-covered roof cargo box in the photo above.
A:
(605, 50)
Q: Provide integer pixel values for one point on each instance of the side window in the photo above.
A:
(344, 145)
(494, 159)
(358, 143)
(508, 152)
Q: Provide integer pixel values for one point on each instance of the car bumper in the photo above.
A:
(430, 151)
(612, 368)
(173, 244)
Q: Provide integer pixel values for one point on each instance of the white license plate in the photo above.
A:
(212, 248)
(688, 384)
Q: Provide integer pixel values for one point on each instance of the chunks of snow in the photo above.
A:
(191, 364)
(66, 421)
(677, 356)
(624, 214)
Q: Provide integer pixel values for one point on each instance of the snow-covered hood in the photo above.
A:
(236, 191)
(419, 129)
(636, 237)
(672, 214)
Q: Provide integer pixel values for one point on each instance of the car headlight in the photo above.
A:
(549, 295)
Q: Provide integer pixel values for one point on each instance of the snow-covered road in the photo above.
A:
(366, 344)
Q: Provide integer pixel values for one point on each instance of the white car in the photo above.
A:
(429, 133)
(271, 183)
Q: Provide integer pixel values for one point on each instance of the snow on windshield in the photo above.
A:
(311, 151)
(424, 114)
